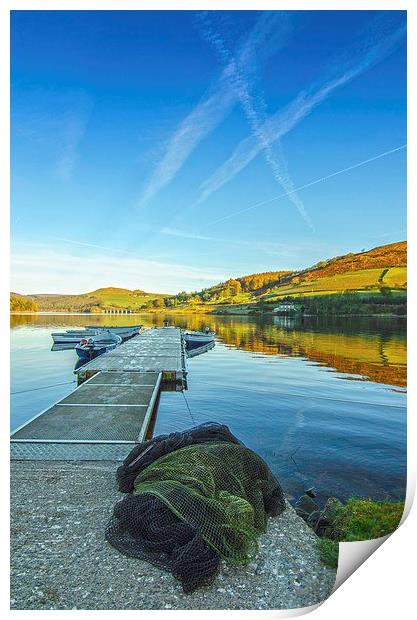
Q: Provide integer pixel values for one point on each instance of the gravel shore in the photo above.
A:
(60, 559)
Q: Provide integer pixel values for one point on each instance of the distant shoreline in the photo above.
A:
(214, 312)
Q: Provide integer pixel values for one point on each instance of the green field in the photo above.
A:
(396, 277)
(366, 280)
(123, 298)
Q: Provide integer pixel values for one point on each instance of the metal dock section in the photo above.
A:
(114, 406)
(155, 350)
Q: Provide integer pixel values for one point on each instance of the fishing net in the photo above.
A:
(142, 526)
(195, 506)
(147, 452)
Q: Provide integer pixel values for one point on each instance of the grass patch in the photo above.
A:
(396, 277)
(329, 552)
(241, 298)
(363, 519)
(358, 519)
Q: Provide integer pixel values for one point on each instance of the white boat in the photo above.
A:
(89, 348)
(118, 329)
(198, 339)
(73, 336)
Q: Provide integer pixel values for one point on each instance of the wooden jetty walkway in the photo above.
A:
(114, 404)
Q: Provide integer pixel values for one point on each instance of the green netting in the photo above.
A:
(194, 497)
(223, 490)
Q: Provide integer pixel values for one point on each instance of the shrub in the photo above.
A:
(329, 552)
(358, 519)
(363, 519)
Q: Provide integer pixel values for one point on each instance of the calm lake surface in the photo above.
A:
(322, 401)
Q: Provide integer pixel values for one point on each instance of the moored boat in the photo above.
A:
(75, 335)
(72, 336)
(195, 351)
(91, 347)
(198, 339)
(118, 329)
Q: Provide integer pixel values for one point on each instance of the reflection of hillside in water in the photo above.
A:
(379, 357)
(373, 348)
(68, 321)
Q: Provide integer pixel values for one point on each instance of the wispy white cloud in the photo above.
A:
(73, 130)
(271, 248)
(377, 41)
(268, 35)
(39, 269)
(289, 250)
(183, 234)
(86, 244)
(254, 108)
(56, 123)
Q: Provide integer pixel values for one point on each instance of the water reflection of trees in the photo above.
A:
(373, 348)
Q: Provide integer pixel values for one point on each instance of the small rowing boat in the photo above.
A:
(198, 339)
(91, 347)
(195, 351)
(73, 336)
(118, 329)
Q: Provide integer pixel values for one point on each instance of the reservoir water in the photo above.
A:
(321, 400)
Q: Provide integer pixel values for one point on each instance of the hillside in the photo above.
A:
(235, 290)
(22, 303)
(391, 255)
(375, 277)
(110, 298)
(380, 271)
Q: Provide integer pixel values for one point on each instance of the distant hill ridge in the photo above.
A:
(380, 269)
(114, 289)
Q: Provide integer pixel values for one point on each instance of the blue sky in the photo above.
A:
(165, 150)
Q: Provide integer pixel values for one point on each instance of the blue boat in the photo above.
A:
(89, 348)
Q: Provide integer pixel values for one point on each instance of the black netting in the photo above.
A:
(194, 505)
(143, 527)
(147, 452)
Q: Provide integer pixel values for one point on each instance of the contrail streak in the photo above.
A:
(380, 39)
(270, 33)
(254, 108)
(310, 183)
